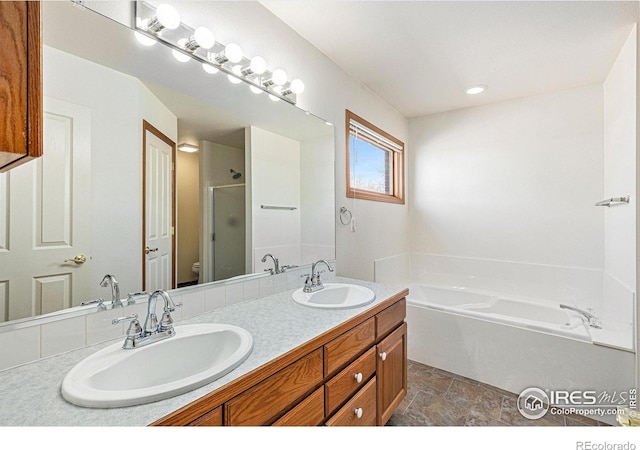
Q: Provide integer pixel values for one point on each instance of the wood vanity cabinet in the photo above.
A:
(354, 374)
(20, 83)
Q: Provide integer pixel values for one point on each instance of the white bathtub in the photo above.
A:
(548, 318)
(510, 343)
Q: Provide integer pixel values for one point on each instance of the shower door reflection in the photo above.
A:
(226, 231)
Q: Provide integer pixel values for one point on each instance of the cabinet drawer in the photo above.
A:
(273, 396)
(211, 419)
(309, 413)
(340, 387)
(346, 347)
(364, 402)
(390, 318)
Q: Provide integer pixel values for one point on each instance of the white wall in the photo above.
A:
(317, 222)
(118, 105)
(620, 177)
(513, 181)
(329, 90)
(275, 181)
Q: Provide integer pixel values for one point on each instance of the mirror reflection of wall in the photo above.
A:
(188, 193)
(103, 82)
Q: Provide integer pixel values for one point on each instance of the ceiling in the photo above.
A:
(419, 56)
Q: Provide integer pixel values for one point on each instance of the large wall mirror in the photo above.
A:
(114, 195)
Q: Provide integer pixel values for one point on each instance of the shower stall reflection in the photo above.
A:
(225, 250)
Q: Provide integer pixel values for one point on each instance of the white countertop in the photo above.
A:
(30, 394)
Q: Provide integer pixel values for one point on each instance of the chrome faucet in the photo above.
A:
(151, 325)
(115, 290)
(313, 282)
(276, 264)
(153, 330)
(277, 268)
(594, 322)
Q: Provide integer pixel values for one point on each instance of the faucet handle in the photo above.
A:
(120, 319)
(99, 303)
(133, 296)
(135, 329)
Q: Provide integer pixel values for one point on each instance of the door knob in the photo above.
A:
(148, 250)
(358, 412)
(358, 377)
(383, 356)
(80, 259)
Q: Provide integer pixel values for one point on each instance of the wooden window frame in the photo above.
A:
(397, 161)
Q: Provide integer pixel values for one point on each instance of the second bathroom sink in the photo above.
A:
(336, 296)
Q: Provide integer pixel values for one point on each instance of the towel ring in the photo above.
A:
(344, 210)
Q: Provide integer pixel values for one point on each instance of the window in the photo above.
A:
(375, 162)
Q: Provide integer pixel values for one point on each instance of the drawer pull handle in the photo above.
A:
(358, 377)
(358, 412)
(383, 356)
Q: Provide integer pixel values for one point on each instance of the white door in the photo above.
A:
(159, 227)
(45, 219)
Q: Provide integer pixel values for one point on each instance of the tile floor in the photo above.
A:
(440, 398)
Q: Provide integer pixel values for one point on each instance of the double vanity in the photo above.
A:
(339, 359)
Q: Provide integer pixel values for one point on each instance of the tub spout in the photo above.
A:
(594, 322)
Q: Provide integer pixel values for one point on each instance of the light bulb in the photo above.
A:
(204, 37)
(209, 68)
(233, 52)
(279, 77)
(258, 65)
(297, 86)
(255, 90)
(180, 56)
(273, 98)
(168, 16)
(238, 71)
(144, 40)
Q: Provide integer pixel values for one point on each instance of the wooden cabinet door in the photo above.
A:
(20, 83)
(391, 370)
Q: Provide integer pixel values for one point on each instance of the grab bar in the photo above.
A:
(611, 200)
(278, 207)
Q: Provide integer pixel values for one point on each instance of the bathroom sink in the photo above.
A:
(336, 296)
(198, 354)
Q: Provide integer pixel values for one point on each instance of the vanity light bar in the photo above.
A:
(217, 57)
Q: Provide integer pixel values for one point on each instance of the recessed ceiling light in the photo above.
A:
(477, 89)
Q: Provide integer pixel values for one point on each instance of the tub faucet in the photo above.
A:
(115, 290)
(313, 282)
(594, 322)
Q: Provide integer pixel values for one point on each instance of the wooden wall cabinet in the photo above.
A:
(354, 374)
(20, 83)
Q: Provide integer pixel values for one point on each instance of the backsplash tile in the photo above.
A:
(62, 336)
(49, 337)
(294, 279)
(251, 289)
(214, 298)
(99, 327)
(266, 286)
(192, 304)
(235, 293)
(19, 347)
